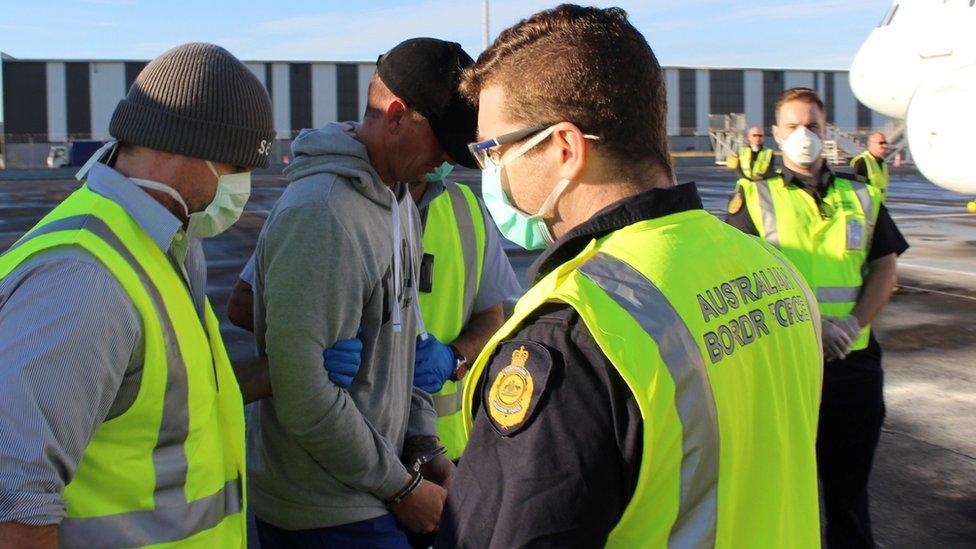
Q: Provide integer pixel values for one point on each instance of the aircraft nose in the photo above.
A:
(882, 76)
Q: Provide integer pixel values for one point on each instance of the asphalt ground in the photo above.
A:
(923, 488)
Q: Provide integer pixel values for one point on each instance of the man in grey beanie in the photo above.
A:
(121, 422)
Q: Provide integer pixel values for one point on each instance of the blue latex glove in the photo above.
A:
(433, 365)
(343, 360)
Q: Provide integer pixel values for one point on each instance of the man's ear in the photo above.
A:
(395, 111)
(572, 148)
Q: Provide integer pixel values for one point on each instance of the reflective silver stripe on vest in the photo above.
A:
(446, 405)
(160, 525)
(768, 213)
(696, 522)
(838, 294)
(73, 223)
(169, 456)
(469, 248)
(867, 206)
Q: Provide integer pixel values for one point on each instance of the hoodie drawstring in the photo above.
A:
(398, 273)
(397, 266)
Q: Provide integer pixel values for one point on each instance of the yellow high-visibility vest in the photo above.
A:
(718, 339)
(763, 161)
(454, 233)
(878, 175)
(829, 247)
(169, 471)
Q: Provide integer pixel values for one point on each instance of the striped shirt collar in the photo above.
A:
(158, 222)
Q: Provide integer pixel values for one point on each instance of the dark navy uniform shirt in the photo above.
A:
(565, 473)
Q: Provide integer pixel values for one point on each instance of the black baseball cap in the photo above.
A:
(425, 72)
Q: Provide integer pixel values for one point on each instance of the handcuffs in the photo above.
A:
(415, 476)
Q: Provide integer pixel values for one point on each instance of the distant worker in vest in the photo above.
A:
(465, 277)
(627, 402)
(837, 233)
(121, 422)
(756, 160)
(870, 165)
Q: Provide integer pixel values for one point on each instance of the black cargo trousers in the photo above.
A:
(852, 412)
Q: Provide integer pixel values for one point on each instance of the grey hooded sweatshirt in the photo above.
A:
(319, 455)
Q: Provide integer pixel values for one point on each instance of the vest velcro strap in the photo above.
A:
(695, 404)
(446, 405)
(838, 294)
(160, 525)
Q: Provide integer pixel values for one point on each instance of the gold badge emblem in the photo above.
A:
(511, 392)
(736, 203)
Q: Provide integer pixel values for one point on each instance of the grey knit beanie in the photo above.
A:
(198, 100)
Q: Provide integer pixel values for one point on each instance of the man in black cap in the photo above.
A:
(121, 423)
(339, 256)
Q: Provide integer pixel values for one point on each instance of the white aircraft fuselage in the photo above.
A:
(919, 65)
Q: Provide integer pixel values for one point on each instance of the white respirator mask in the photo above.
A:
(802, 147)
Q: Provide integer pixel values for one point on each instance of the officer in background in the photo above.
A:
(870, 165)
(465, 278)
(755, 161)
(634, 378)
(121, 423)
(838, 234)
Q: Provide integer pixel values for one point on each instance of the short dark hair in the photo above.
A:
(588, 66)
(377, 96)
(807, 95)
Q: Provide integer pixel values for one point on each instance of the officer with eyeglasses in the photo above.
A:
(664, 368)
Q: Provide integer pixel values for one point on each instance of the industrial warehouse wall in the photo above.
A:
(51, 102)
(48, 103)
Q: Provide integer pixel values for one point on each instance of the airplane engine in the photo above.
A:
(885, 72)
(940, 124)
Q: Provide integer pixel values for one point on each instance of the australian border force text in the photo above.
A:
(743, 298)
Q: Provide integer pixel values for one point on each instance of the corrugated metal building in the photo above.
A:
(49, 101)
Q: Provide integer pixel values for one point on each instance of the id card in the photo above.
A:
(855, 235)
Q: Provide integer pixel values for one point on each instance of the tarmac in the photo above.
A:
(923, 487)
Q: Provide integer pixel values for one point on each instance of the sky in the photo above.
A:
(808, 34)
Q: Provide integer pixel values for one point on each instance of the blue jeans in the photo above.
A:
(379, 533)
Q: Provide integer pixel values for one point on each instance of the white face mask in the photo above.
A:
(802, 147)
(224, 210)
